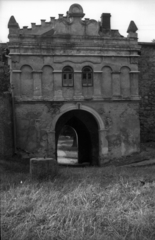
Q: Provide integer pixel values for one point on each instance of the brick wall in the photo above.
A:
(147, 91)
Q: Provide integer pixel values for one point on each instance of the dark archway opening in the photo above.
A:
(86, 128)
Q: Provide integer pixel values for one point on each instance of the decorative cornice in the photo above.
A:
(134, 72)
(37, 71)
(74, 55)
(16, 71)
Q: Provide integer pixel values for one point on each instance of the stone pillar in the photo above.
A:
(134, 85)
(78, 86)
(116, 85)
(103, 143)
(58, 85)
(37, 85)
(97, 85)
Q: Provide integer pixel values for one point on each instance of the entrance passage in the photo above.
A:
(86, 138)
(67, 146)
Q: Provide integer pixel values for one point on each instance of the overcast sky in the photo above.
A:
(142, 12)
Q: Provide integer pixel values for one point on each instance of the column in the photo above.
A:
(78, 86)
(37, 94)
(97, 85)
(58, 85)
(116, 86)
(103, 145)
(134, 85)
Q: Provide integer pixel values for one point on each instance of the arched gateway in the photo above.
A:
(90, 130)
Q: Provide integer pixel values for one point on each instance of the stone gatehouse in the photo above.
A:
(78, 72)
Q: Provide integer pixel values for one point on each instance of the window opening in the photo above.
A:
(67, 77)
(87, 77)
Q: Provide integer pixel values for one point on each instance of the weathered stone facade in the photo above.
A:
(147, 91)
(97, 94)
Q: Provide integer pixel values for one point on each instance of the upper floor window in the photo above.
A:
(67, 77)
(87, 77)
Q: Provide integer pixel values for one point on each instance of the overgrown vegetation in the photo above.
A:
(108, 203)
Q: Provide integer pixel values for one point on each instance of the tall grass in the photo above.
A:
(80, 204)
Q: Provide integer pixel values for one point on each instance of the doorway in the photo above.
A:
(85, 127)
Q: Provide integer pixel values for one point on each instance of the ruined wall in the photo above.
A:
(147, 91)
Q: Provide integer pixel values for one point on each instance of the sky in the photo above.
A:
(142, 12)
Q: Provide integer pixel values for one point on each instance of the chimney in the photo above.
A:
(60, 16)
(43, 22)
(33, 25)
(105, 21)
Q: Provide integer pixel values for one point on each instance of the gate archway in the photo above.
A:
(87, 130)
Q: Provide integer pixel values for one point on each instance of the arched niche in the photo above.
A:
(26, 81)
(107, 82)
(125, 82)
(47, 81)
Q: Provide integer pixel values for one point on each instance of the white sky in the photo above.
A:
(142, 12)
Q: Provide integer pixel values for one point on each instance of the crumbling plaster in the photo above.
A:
(118, 126)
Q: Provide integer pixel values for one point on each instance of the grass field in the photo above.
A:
(107, 203)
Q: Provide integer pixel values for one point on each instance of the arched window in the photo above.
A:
(87, 77)
(67, 77)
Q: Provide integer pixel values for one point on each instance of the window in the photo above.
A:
(67, 77)
(87, 77)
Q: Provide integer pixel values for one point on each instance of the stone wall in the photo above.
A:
(6, 125)
(36, 126)
(44, 91)
(6, 134)
(147, 91)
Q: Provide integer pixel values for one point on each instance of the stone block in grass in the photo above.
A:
(42, 168)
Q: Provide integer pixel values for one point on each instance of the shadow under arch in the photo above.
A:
(68, 107)
(87, 129)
